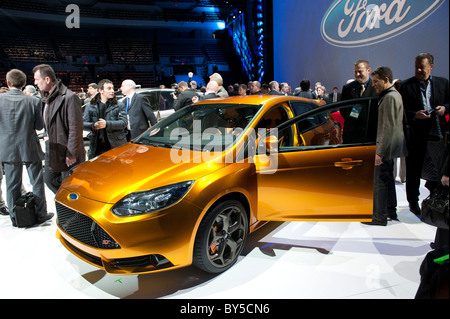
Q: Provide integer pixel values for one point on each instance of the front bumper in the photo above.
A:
(126, 245)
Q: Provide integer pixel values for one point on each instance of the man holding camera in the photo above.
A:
(185, 96)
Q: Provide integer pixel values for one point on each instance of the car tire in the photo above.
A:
(221, 237)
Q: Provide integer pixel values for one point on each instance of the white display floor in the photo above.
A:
(291, 260)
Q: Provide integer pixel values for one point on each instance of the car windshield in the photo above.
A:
(201, 127)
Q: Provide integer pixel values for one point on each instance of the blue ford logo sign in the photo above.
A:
(357, 23)
(73, 196)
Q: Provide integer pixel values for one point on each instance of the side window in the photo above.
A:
(301, 107)
(274, 118)
(349, 124)
(152, 98)
(321, 130)
(167, 98)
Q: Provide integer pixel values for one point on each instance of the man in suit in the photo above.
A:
(274, 88)
(211, 92)
(63, 121)
(255, 89)
(3, 208)
(335, 96)
(390, 143)
(426, 100)
(362, 86)
(221, 92)
(139, 110)
(185, 97)
(356, 129)
(20, 117)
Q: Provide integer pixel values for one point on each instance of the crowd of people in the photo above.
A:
(411, 125)
(112, 123)
(58, 111)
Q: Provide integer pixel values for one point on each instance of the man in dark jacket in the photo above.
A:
(185, 96)
(139, 111)
(274, 88)
(106, 119)
(63, 120)
(211, 92)
(426, 101)
(356, 129)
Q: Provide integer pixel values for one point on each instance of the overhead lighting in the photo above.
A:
(221, 25)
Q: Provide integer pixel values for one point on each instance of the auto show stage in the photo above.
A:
(289, 260)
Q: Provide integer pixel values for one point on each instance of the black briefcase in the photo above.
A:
(25, 211)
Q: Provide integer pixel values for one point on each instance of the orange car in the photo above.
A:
(191, 188)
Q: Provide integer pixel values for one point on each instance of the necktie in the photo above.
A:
(127, 101)
(363, 88)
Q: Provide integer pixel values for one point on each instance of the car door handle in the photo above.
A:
(348, 163)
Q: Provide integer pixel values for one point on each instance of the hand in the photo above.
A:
(100, 124)
(378, 160)
(195, 99)
(440, 110)
(422, 115)
(444, 180)
(70, 161)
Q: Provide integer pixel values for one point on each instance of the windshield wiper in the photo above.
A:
(154, 144)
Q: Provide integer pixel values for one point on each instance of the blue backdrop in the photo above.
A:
(321, 39)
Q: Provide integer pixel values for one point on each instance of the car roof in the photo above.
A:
(153, 89)
(259, 99)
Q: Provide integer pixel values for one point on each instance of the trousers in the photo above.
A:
(2, 202)
(52, 179)
(384, 194)
(13, 178)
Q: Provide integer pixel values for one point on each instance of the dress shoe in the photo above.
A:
(375, 223)
(44, 218)
(4, 211)
(414, 208)
(392, 216)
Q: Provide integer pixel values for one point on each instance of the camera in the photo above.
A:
(175, 87)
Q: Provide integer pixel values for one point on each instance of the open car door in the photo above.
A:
(328, 174)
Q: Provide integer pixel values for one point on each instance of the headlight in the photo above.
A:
(150, 201)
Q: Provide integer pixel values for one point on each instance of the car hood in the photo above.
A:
(132, 168)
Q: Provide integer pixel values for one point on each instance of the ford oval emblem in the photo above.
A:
(73, 196)
(357, 23)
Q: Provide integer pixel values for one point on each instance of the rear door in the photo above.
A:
(329, 174)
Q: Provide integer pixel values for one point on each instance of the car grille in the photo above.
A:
(83, 228)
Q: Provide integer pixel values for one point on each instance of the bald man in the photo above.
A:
(139, 111)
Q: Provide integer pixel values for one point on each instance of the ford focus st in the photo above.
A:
(191, 188)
